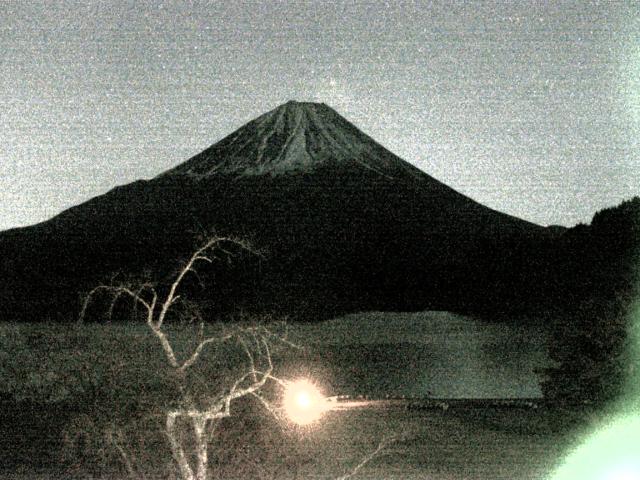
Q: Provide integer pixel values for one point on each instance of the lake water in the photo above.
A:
(435, 354)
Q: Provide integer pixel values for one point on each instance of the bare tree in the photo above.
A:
(255, 341)
(199, 416)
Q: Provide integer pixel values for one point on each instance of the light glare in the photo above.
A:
(303, 402)
(613, 453)
(625, 472)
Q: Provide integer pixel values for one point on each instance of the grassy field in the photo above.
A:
(454, 445)
(63, 386)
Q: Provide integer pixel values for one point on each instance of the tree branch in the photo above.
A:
(117, 291)
(177, 451)
(198, 255)
(120, 449)
(376, 453)
(194, 356)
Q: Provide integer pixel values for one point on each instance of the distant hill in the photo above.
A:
(345, 224)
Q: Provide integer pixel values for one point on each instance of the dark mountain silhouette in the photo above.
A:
(346, 226)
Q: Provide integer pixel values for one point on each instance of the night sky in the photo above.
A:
(529, 108)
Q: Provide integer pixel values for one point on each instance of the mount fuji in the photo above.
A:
(345, 225)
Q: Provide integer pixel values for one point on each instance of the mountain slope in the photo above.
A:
(346, 224)
(294, 138)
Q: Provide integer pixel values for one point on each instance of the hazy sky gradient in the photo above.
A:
(529, 108)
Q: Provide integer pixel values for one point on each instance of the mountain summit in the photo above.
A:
(295, 137)
(348, 226)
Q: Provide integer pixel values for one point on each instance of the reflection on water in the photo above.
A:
(435, 354)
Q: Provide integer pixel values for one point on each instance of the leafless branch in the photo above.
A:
(116, 438)
(368, 458)
(177, 450)
(247, 351)
(196, 353)
(268, 406)
(116, 291)
(255, 341)
(199, 255)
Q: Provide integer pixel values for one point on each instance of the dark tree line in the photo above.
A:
(596, 278)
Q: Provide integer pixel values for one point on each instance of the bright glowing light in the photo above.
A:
(624, 472)
(303, 402)
(611, 454)
(613, 451)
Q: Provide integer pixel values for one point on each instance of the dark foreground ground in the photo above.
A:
(460, 443)
(488, 443)
(62, 388)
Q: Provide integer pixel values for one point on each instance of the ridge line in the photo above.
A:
(291, 136)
